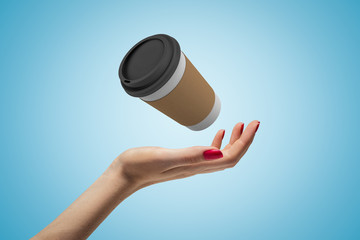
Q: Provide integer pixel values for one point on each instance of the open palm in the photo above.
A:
(148, 165)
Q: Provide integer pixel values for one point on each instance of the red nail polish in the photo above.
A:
(223, 135)
(212, 154)
(242, 129)
(257, 127)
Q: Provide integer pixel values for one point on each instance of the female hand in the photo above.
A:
(144, 166)
(140, 167)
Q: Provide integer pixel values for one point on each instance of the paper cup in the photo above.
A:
(158, 72)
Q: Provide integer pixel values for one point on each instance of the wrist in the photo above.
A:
(115, 177)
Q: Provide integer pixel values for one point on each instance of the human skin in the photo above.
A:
(137, 168)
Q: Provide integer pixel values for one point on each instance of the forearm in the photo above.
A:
(86, 213)
(140, 167)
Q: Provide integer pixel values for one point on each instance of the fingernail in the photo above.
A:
(242, 129)
(257, 127)
(212, 154)
(223, 135)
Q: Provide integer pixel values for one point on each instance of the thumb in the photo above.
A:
(196, 154)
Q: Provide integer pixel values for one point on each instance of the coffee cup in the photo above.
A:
(158, 72)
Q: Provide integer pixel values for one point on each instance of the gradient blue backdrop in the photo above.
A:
(292, 65)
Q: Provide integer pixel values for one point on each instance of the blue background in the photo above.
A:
(292, 65)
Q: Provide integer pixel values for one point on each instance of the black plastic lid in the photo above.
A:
(149, 64)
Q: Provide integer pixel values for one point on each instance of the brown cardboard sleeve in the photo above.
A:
(190, 101)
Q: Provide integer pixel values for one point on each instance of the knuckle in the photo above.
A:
(242, 144)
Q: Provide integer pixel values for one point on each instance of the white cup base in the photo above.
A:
(210, 119)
